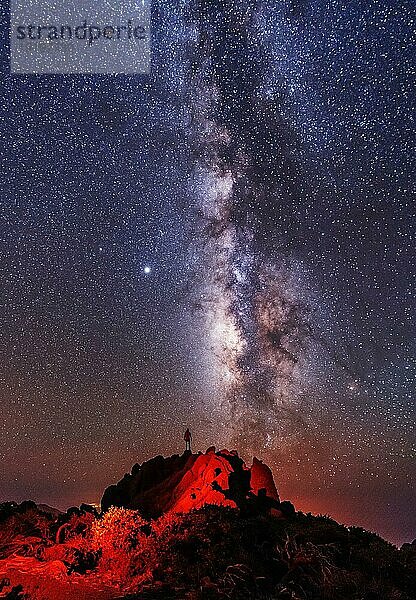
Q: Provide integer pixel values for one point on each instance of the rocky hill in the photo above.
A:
(195, 527)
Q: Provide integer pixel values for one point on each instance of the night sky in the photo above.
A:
(225, 244)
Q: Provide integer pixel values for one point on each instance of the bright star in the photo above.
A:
(147, 270)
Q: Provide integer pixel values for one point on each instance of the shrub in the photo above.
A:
(120, 537)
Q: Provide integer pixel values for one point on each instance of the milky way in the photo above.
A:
(256, 317)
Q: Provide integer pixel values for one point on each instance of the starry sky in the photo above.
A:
(225, 244)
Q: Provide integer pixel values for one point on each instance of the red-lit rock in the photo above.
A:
(262, 477)
(182, 483)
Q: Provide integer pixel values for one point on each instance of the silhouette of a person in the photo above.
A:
(187, 437)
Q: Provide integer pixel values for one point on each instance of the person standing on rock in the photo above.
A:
(187, 437)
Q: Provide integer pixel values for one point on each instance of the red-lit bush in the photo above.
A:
(121, 537)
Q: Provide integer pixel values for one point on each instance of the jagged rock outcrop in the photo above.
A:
(180, 483)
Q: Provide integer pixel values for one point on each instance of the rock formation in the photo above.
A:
(180, 483)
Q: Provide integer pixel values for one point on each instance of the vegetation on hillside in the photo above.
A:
(211, 553)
